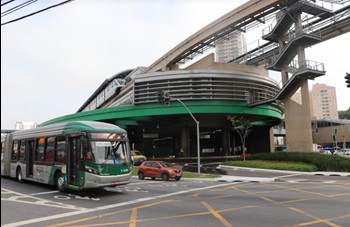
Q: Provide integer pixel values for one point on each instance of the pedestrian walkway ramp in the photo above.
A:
(284, 20)
(291, 86)
(291, 49)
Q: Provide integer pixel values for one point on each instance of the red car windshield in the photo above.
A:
(165, 164)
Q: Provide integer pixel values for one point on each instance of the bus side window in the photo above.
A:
(22, 150)
(87, 150)
(61, 149)
(88, 156)
(2, 150)
(14, 155)
(50, 149)
(40, 150)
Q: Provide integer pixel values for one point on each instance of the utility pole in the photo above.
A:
(164, 98)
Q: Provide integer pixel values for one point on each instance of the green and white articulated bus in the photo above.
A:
(73, 155)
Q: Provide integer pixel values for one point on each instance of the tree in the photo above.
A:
(345, 114)
(243, 127)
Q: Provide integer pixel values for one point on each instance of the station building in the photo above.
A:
(211, 91)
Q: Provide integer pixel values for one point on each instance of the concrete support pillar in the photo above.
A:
(298, 122)
(298, 24)
(301, 50)
(284, 70)
(225, 137)
(284, 76)
(272, 140)
(298, 116)
(185, 141)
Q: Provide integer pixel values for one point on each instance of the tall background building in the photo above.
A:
(324, 102)
(20, 125)
(233, 46)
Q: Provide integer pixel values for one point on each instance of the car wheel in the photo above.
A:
(141, 175)
(165, 177)
(153, 178)
(19, 175)
(177, 178)
(59, 181)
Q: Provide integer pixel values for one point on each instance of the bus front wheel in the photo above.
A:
(60, 182)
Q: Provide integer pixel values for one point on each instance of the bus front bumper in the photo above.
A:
(97, 181)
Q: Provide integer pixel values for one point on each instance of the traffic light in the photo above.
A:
(166, 99)
(347, 79)
(163, 97)
(160, 96)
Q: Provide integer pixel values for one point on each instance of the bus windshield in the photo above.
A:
(109, 152)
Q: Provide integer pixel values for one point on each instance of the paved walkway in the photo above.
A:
(242, 174)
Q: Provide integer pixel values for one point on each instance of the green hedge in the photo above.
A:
(323, 162)
(278, 165)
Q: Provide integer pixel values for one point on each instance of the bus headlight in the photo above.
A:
(91, 170)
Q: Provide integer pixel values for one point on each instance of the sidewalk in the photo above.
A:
(263, 175)
(317, 173)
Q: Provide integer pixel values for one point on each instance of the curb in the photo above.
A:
(318, 173)
(244, 179)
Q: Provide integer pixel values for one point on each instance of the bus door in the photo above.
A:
(74, 153)
(30, 155)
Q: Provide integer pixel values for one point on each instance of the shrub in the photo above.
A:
(323, 162)
(279, 165)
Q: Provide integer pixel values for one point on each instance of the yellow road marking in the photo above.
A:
(133, 217)
(317, 219)
(217, 215)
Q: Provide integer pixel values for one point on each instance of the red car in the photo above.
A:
(159, 169)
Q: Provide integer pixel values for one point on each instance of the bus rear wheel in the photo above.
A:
(141, 175)
(19, 175)
(60, 182)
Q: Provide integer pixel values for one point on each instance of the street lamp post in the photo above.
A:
(198, 139)
(164, 98)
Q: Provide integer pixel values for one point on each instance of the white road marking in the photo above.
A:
(18, 197)
(36, 220)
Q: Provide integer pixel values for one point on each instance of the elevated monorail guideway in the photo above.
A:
(248, 16)
(241, 18)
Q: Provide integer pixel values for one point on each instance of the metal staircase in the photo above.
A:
(329, 26)
(285, 19)
(291, 41)
(311, 70)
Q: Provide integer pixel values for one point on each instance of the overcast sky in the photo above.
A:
(53, 61)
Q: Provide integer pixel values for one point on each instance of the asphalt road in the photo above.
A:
(278, 199)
